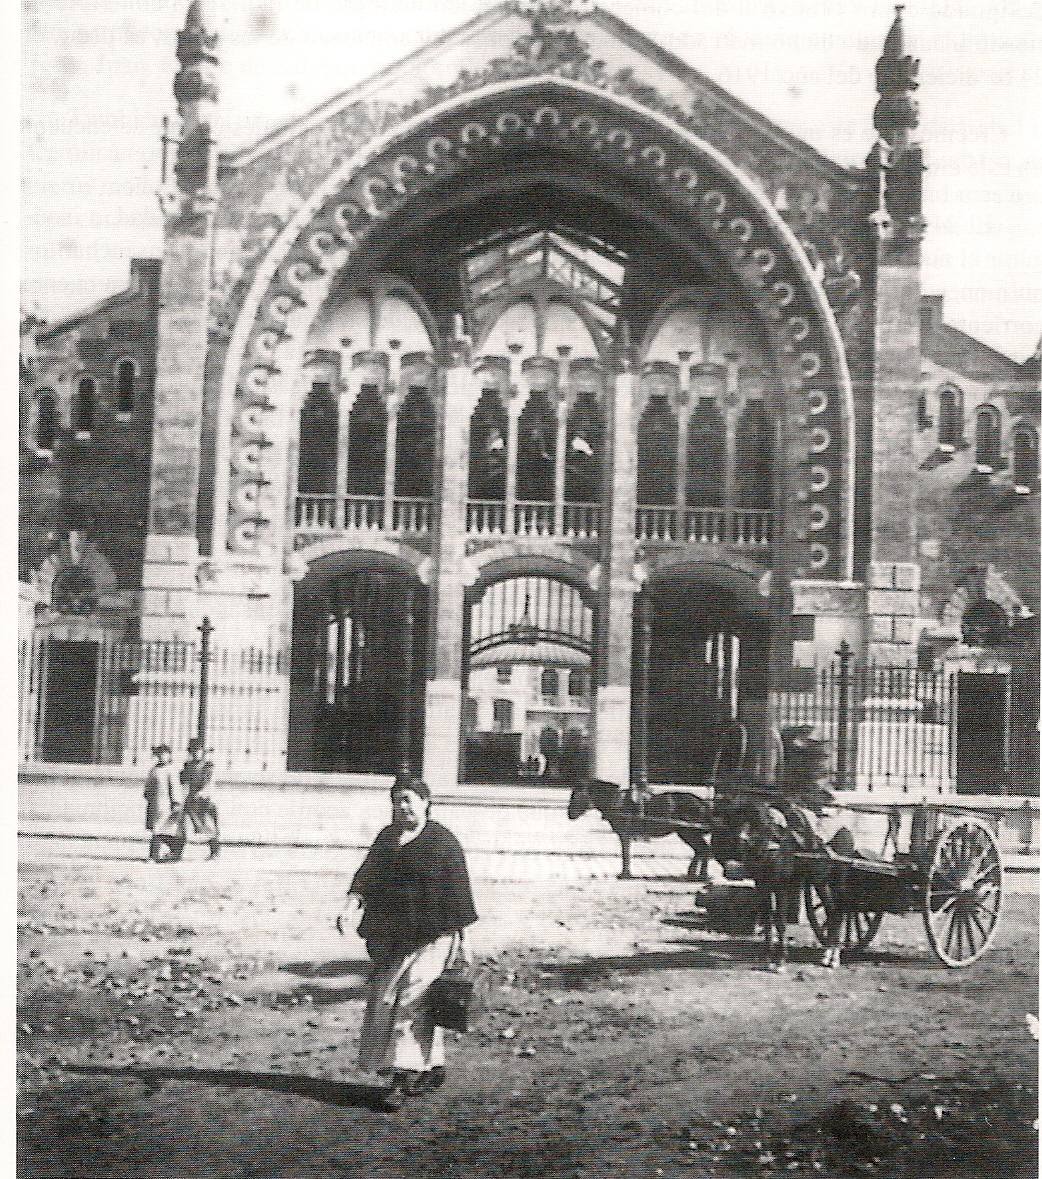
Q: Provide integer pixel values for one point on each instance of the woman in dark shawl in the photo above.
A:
(414, 890)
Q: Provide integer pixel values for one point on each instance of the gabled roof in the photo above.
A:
(601, 25)
(144, 278)
(964, 354)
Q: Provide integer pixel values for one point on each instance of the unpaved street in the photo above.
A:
(202, 1019)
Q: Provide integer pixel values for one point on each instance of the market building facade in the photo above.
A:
(537, 348)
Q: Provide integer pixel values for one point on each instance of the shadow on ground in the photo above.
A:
(716, 955)
(337, 1093)
(333, 969)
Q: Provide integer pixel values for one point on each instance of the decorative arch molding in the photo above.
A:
(528, 559)
(541, 293)
(701, 298)
(345, 555)
(741, 577)
(85, 558)
(377, 290)
(602, 133)
(980, 583)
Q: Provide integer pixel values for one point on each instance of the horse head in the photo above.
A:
(605, 797)
(580, 801)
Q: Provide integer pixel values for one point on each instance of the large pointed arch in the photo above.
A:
(592, 133)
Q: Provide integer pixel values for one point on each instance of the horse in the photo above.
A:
(647, 816)
(766, 835)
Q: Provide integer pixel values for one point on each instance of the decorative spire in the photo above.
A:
(896, 160)
(897, 78)
(195, 88)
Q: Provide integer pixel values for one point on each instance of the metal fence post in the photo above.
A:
(405, 737)
(844, 653)
(644, 659)
(205, 631)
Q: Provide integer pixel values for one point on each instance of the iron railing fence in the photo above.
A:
(109, 702)
(884, 727)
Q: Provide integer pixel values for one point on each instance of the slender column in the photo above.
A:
(445, 652)
(560, 469)
(683, 418)
(390, 459)
(514, 408)
(615, 589)
(348, 393)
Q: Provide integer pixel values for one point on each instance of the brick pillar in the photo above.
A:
(616, 590)
(893, 573)
(172, 547)
(441, 751)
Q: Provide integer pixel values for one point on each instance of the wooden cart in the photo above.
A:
(951, 874)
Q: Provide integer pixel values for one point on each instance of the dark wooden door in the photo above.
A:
(983, 733)
(68, 725)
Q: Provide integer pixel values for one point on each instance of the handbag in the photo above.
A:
(451, 997)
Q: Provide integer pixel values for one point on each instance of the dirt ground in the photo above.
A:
(202, 1019)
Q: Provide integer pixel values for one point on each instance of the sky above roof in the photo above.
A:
(97, 77)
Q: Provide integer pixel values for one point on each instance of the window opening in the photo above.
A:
(989, 438)
(47, 422)
(706, 455)
(86, 401)
(949, 427)
(125, 381)
(657, 454)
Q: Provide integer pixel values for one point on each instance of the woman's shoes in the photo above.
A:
(410, 1084)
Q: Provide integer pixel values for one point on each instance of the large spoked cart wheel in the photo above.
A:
(962, 895)
(859, 927)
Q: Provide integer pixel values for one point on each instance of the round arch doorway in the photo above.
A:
(357, 678)
(527, 681)
(702, 652)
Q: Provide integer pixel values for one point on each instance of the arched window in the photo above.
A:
(366, 442)
(923, 415)
(316, 465)
(706, 455)
(126, 379)
(86, 405)
(414, 462)
(47, 421)
(536, 448)
(549, 684)
(582, 478)
(578, 684)
(1025, 457)
(657, 454)
(989, 437)
(488, 448)
(754, 458)
(502, 716)
(949, 425)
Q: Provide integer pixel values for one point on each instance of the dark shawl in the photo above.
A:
(416, 892)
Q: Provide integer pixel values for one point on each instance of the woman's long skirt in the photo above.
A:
(398, 1030)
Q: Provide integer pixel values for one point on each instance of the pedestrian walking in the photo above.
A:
(200, 810)
(161, 798)
(414, 892)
